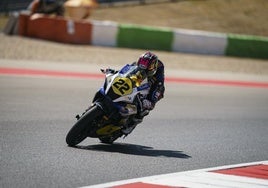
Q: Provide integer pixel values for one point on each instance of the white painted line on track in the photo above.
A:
(203, 178)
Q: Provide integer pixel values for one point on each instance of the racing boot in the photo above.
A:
(134, 122)
(139, 117)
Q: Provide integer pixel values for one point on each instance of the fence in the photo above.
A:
(142, 37)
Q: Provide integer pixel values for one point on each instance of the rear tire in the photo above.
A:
(80, 129)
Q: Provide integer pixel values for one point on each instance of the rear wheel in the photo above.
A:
(80, 129)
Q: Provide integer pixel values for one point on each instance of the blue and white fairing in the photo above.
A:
(126, 84)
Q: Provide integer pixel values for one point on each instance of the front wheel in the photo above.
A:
(80, 129)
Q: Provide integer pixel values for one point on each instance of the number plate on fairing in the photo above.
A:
(122, 86)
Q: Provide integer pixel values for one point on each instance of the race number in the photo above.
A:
(122, 86)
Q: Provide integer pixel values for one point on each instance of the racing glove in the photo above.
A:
(158, 93)
(108, 71)
(156, 96)
(148, 105)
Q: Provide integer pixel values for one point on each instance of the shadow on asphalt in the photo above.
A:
(132, 149)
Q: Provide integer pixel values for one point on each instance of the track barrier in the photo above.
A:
(106, 33)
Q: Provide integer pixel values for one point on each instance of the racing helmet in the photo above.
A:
(148, 62)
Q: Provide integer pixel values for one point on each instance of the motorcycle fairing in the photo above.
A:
(126, 84)
(122, 86)
(121, 89)
(107, 130)
(126, 68)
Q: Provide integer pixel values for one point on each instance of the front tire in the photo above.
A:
(80, 129)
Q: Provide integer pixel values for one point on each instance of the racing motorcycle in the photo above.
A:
(114, 107)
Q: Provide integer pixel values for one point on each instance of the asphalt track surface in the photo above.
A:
(193, 127)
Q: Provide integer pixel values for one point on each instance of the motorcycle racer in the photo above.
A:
(125, 98)
(154, 69)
